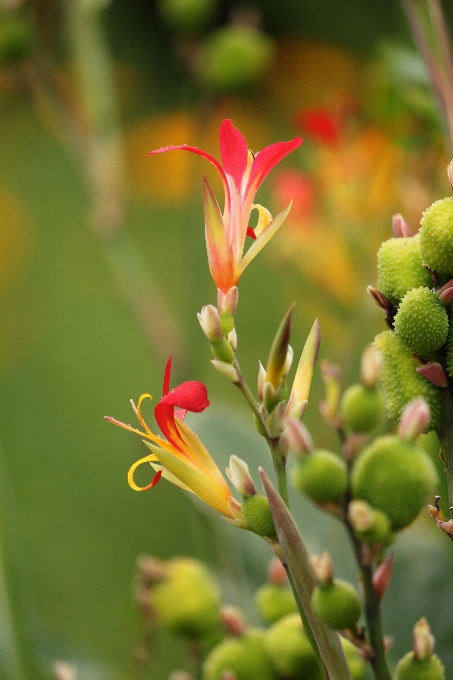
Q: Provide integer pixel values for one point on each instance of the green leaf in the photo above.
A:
(325, 642)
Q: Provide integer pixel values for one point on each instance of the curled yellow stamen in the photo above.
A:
(130, 474)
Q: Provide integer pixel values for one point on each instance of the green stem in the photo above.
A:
(446, 441)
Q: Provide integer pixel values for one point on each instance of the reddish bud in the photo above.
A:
(382, 576)
(399, 227)
(414, 420)
(433, 372)
(276, 573)
(233, 619)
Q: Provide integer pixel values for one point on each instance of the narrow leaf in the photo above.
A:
(327, 642)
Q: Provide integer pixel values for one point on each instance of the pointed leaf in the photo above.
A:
(263, 238)
(325, 642)
(304, 373)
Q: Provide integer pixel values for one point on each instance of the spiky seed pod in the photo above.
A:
(258, 516)
(395, 476)
(290, 650)
(401, 381)
(274, 602)
(421, 322)
(362, 408)
(400, 268)
(410, 668)
(246, 656)
(337, 604)
(356, 662)
(436, 236)
(322, 476)
(187, 600)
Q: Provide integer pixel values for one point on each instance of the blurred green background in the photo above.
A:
(104, 268)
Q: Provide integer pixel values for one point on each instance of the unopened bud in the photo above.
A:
(399, 227)
(423, 645)
(233, 339)
(300, 390)
(210, 323)
(296, 409)
(278, 353)
(288, 361)
(322, 567)
(151, 569)
(450, 173)
(64, 671)
(233, 619)
(276, 573)
(229, 301)
(382, 576)
(370, 367)
(433, 372)
(239, 474)
(228, 370)
(269, 394)
(275, 421)
(298, 437)
(380, 299)
(360, 515)
(414, 420)
(261, 381)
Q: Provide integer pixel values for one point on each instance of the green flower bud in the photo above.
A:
(234, 56)
(274, 602)
(223, 351)
(258, 516)
(436, 236)
(227, 322)
(290, 650)
(362, 408)
(187, 600)
(246, 656)
(395, 476)
(410, 668)
(322, 476)
(337, 604)
(400, 268)
(356, 662)
(421, 322)
(401, 381)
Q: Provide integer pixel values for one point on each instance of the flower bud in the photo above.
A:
(421, 663)
(400, 268)
(239, 474)
(298, 437)
(370, 526)
(322, 476)
(276, 573)
(414, 420)
(450, 173)
(423, 640)
(436, 236)
(362, 408)
(380, 477)
(290, 650)
(278, 353)
(233, 620)
(261, 381)
(222, 350)
(370, 367)
(382, 575)
(433, 372)
(421, 322)
(226, 369)
(258, 516)
(399, 227)
(233, 339)
(246, 657)
(300, 390)
(337, 604)
(210, 323)
(229, 301)
(288, 361)
(226, 322)
(274, 421)
(322, 567)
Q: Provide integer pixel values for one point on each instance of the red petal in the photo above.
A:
(321, 125)
(251, 233)
(166, 383)
(267, 159)
(233, 151)
(193, 149)
(190, 396)
(157, 476)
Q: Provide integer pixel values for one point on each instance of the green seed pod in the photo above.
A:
(222, 350)
(395, 476)
(401, 381)
(187, 600)
(322, 476)
(234, 56)
(337, 604)
(362, 408)
(246, 656)
(258, 516)
(187, 16)
(379, 532)
(274, 602)
(356, 662)
(410, 668)
(421, 322)
(290, 650)
(400, 268)
(436, 236)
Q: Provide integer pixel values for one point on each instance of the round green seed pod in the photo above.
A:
(395, 476)
(401, 381)
(356, 662)
(362, 408)
(337, 604)
(436, 236)
(410, 668)
(400, 268)
(246, 656)
(234, 56)
(322, 476)
(380, 532)
(274, 602)
(290, 650)
(258, 516)
(421, 322)
(187, 601)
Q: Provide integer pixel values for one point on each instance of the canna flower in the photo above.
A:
(242, 173)
(181, 457)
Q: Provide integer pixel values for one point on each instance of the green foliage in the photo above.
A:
(410, 668)
(395, 476)
(322, 476)
(421, 322)
(337, 604)
(290, 650)
(436, 236)
(362, 408)
(400, 268)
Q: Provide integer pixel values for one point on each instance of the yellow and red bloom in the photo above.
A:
(242, 173)
(181, 458)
